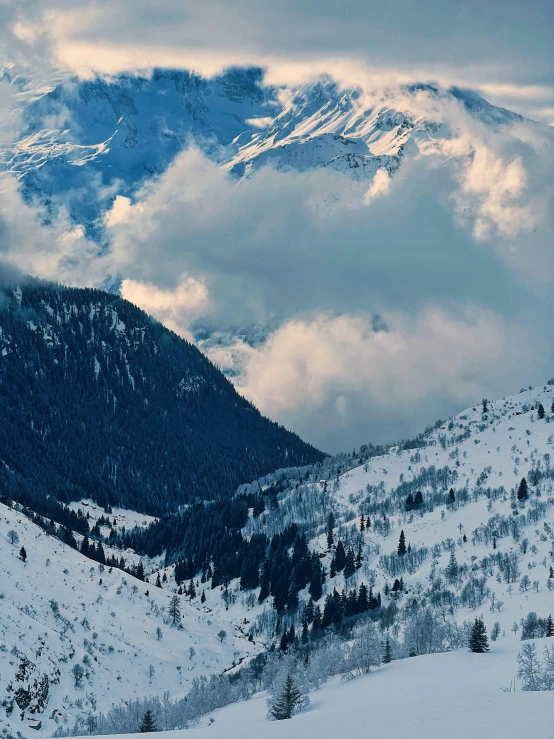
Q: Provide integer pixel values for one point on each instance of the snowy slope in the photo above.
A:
(454, 696)
(107, 627)
(482, 456)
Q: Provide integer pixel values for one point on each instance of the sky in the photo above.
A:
(406, 301)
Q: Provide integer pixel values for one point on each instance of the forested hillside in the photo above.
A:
(98, 400)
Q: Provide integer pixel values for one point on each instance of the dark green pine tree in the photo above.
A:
(523, 489)
(316, 588)
(452, 569)
(451, 497)
(485, 405)
(549, 626)
(402, 544)
(552, 407)
(340, 557)
(330, 527)
(23, 554)
(540, 411)
(478, 641)
(175, 610)
(359, 557)
(148, 723)
(288, 701)
(349, 564)
(387, 652)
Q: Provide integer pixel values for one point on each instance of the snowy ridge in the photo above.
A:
(84, 142)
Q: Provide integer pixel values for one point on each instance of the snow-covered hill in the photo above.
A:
(60, 611)
(502, 548)
(456, 695)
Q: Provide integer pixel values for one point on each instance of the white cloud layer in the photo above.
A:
(503, 49)
(335, 371)
(175, 308)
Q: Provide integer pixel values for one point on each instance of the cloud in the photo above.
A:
(337, 372)
(505, 49)
(380, 186)
(176, 308)
(449, 251)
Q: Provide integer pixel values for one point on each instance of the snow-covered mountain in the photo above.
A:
(485, 549)
(84, 142)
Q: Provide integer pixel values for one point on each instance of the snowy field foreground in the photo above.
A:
(457, 695)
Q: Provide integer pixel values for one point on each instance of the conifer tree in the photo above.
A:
(362, 523)
(23, 554)
(330, 527)
(452, 570)
(158, 581)
(175, 610)
(451, 497)
(148, 723)
(288, 702)
(523, 490)
(340, 557)
(349, 564)
(362, 601)
(549, 626)
(387, 652)
(402, 544)
(359, 557)
(540, 411)
(317, 622)
(478, 641)
(316, 589)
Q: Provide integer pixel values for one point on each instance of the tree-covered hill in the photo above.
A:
(99, 400)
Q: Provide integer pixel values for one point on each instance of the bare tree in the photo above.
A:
(13, 537)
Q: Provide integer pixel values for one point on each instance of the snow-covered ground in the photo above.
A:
(106, 623)
(443, 696)
(58, 610)
(120, 517)
(501, 447)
